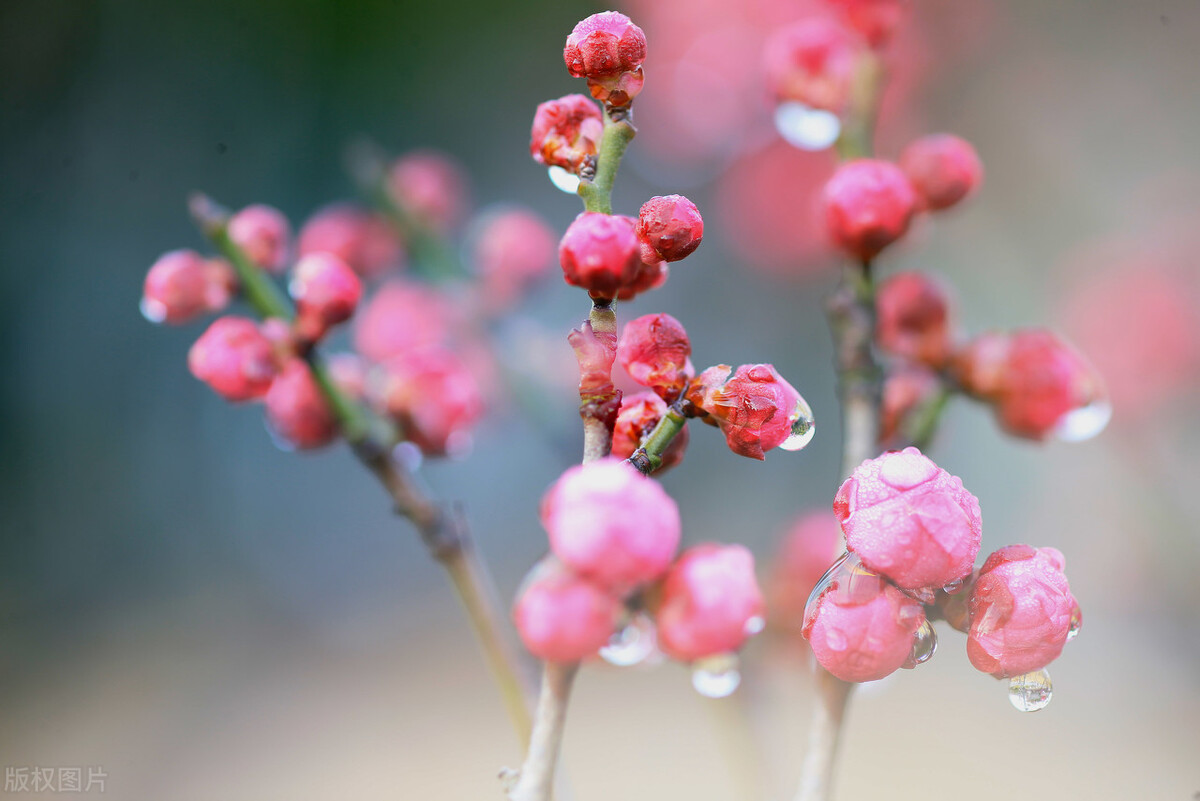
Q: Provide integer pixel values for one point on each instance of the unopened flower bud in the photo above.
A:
(563, 617)
(875, 20)
(710, 602)
(654, 350)
(599, 252)
(639, 414)
(431, 394)
(868, 206)
(263, 234)
(326, 292)
(812, 62)
(913, 317)
(755, 408)
(805, 554)
(297, 411)
(943, 169)
(183, 285)
(234, 358)
(402, 316)
(671, 225)
(650, 275)
(907, 392)
(429, 187)
(512, 250)
(566, 132)
(362, 239)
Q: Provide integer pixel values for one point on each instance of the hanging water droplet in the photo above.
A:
(803, 427)
(805, 127)
(754, 625)
(716, 676)
(1083, 423)
(278, 440)
(1076, 623)
(409, 455)
(632, 644)
(564, 180)
(1030, 692)
(953, 587)
(923, 646)
(153, 310)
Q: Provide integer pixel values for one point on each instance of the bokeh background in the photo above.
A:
(202, 615)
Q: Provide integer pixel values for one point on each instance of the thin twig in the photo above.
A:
(536, 779)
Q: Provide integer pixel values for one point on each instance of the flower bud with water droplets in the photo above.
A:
(430, 188)
(943, 169)
(182, 285)
(639, 415)
(910, 520)
(812, 62)
(562, 616)
(566, 132)
(710, 602)
(651, 274)
(263, 234)
(875, 20)
(913, 317)
(1022, 611)
(654, 349)
(671, 226)
(610, 523)
(860, 627)
(868, 206)
(296, 409)
(326, 292)
(599, 252)
(362, 239)
(755, 407)
(234, 358)
(908, 391)
(804, 555)
(432, 396)
(402, 316)
(608, 50)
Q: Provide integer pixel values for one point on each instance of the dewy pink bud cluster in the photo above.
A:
(754, 406)
(566, 132)
(655, 350)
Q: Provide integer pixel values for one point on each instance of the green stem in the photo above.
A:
(649, 456)
(618, 133)
(858, 132)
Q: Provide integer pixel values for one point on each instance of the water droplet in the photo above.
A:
(805, 127)
(803, 427)
(1076, 623)
(1030, 692)
(923, 646)
(564, 180)
(850, 582)
(409, 455)
(716, 676)
(632, 644)
(953, 587)
(754, 625)
(153, 310)
(1083, 423)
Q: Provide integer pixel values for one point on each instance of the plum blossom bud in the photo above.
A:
(638, 416)
(907, 391)
(755, 408)
(566, 132)
(234, 358)
(326, 292)
(402, 316)
(943, 169)
(913, 317)
(875, 20)
(563, 617)
(512, 250)
(349, 372)
(430, 187)
(861, 628)
(654, 350)
(650, 275)
(262, 232)
(599, 252)
(182, 285)
(812, 62)
(1022, 611)
(432, 396)
(611, 524)
(671, 225)
(608, 50)
(805, 554)
(868, 206)
(710, 602)
(297, 411)
(910, 520)
(362, 239)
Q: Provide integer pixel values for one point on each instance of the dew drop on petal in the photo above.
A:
(803, 428)
(753, 626)
(805, 127)
(278, 440)
(564, 180)
(632, 644)
(953, 587)
(924, 644)
(1030, 692)
(716, 676)
(409, 455)
(1083, 423)
(1076, 623)
(153, 310)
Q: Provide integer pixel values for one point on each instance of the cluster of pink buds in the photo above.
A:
(608, 50)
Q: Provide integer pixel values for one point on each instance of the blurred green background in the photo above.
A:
(206, 616)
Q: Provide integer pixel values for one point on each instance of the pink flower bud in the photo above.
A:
(812, 62)
(610, 523)
(262, 232)
(754, 406)
(362, 239)
(432, 396)
(868, 205)
(671, 225)
(1022, 611)
(807, 551)
(979, 365)
(297, 411)
(710, 603)
(599, 252)
(604, 45)
(402, 316)
(182, 285)
(566, 132)
(326, 292)
(563, 617)
(943, 169)
(639, 415)
(913, 317)
(650, 275)
(906, 391)
(512, 250)
(861, 628)
(875, 20)
(431, 188)
(234, 358)
(910, 520)
(654, 350)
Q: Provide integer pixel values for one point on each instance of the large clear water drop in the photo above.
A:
(1083, 423)
(803, 427)
(633, 644)
(408, 455)
(1076, 623)
(805, 127)
(716, 676)
(564, 180)
(1030, 692)
(153, 310)
(953, 587)
(923, 646)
